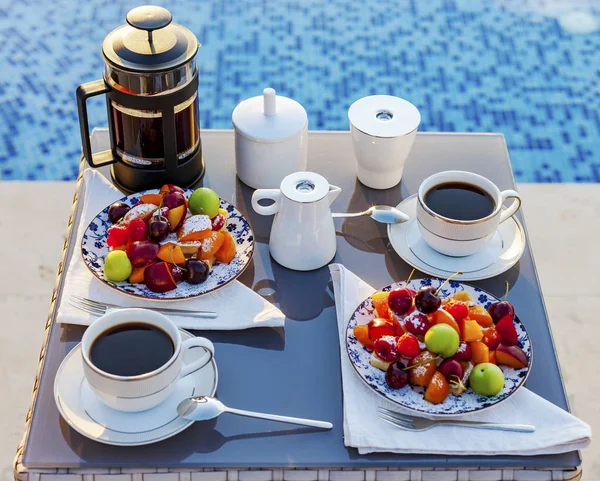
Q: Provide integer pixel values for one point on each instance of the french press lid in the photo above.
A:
(150, 43)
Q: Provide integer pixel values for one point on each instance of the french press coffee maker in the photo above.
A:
(151, 86)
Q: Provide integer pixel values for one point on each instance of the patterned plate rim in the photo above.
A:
(180, 298)
(437, 415)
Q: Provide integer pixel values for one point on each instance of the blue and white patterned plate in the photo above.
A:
(94, 250)
(411, 397)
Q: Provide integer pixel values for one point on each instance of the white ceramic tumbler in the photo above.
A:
(383, 129)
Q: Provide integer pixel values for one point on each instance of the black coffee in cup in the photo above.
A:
(460, 201)
(131, 349)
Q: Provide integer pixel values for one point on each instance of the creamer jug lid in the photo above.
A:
(304, 187)
(269, 117)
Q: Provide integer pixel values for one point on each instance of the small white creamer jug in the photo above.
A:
(303, 234)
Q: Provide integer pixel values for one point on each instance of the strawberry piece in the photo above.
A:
(458, 310)
(217, 222)
(137, 229)
(117, 236)
(408, 345)
(507, 331)
(385, 348)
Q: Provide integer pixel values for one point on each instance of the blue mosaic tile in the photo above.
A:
(469, 65)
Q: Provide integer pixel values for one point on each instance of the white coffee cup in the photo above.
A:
(383, 130)
(460, 238)
(138, 393)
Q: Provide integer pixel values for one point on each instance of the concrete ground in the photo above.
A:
(563, 228)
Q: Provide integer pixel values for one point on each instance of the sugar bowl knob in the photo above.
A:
(269, 101)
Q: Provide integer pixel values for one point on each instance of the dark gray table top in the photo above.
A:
(296, 371)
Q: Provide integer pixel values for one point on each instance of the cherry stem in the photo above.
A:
(506, 293)
(446, 281)
(173, 260)
(410, 277)
(421, 363)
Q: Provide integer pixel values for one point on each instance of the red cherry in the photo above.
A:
(463, 353)
(417, 323)
(380, 327)
(385, 348)
(117, 236)
(137, 229)
(451, 367)
(458, 310)
(500, 309)
(218, 222)
(400, 300)
(408, 345)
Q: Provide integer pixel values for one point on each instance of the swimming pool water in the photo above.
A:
(514, 67)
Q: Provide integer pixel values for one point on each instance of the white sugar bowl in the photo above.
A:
(271, 139)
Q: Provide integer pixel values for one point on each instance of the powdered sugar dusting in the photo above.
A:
(209, 242)
(141, 210)
(172, 239)
(195, 223)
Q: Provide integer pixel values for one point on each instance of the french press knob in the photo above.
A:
(149, 18)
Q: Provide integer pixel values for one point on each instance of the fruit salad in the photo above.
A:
(167, 238)
(446, 346)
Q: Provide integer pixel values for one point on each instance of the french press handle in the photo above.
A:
(84, 92)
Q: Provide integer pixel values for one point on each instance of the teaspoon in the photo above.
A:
(203, 408)
(381, 213)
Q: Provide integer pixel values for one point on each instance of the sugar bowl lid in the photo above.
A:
(150, 42)
(384, 116)
(269, 117)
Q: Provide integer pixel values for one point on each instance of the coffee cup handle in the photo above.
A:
(198, 363)
(514, 207)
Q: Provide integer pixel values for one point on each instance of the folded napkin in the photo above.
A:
(557, 431)
(238, 306)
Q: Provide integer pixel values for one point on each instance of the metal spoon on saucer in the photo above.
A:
(203, 408)
(385, 214)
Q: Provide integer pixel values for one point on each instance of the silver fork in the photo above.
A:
(411, 423)
(99, 309)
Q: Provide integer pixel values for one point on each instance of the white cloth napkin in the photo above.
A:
(557, 431)
(238, 306)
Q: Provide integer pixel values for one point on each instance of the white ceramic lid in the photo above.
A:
(269, 117)
(304, 187)
(384, 116)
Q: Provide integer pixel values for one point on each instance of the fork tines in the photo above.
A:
(396, 419)
(87, 305)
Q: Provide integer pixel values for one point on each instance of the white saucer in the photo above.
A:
(500, 254)
(82, 410)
